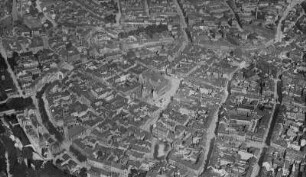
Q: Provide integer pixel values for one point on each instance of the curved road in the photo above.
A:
(279, 33)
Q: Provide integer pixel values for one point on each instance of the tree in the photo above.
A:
(83, 172)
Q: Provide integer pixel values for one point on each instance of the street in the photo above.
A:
(3, 53)
(279, 33)
(264, 144)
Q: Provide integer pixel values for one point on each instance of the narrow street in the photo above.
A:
(261, 146)
(14, 10)
(118, 15)
(279, 33)
(38, 115)
(7, 164)
(211, 131)
(87, 8)
(239, 27)
(183, 26)
(269, 131)
(3, 53)
(4, 17)
(147, 10)
(180, 12)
